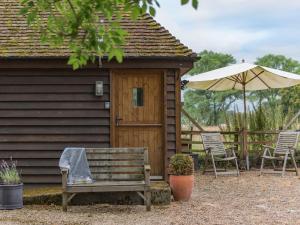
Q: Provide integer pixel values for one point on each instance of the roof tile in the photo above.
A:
(145, 38)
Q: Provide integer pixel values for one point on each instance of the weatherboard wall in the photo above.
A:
(42, 111)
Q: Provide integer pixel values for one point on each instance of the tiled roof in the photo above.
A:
(146, 38)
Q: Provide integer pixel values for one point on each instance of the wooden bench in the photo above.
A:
(114, 170)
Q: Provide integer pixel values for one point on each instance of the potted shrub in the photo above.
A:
(181, 171)
(11, 187)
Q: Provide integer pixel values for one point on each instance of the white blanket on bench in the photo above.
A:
(74, 159)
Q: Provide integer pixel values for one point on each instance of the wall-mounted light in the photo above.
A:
(99, 88)
(107, 105)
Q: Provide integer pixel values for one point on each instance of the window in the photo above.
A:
(138, 97)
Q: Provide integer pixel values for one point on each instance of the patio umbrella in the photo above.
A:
(245, 77)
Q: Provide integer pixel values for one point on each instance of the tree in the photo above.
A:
(208, 106)
(210, 60)
(279, 62)
(289, 97)
(90, 28)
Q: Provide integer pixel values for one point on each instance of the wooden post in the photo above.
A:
(236, 138)
(245, 145)
(165, 114)
(245, 133)
(190, 146)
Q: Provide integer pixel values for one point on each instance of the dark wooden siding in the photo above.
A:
(171, 113)
(42, 111)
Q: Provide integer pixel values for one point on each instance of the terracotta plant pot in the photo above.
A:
(182, 187)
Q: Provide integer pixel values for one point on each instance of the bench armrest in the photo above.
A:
(207, 150)
(147, 169)
(267, 150)
(267, 146)
(293, 150)
(230, 151)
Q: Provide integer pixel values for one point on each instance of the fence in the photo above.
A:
(191, 139)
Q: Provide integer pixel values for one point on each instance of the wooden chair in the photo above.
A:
(215, 150)
(114, 170)
(285, 150)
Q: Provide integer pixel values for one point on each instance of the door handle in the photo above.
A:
(118, 119)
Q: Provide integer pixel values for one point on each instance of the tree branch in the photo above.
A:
(73, 10)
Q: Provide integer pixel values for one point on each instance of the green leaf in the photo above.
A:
(119, 55)
(23, 11)
(31, 17)
(135, 13)
(195, 4)
(184, 2)
(110, 55)
(152, 11)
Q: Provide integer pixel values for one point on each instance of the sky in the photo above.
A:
(247, 29)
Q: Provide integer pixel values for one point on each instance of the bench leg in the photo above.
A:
(65, 201)
(148, 200)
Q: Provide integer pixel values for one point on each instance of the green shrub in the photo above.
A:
(9, 173)
(181, 164)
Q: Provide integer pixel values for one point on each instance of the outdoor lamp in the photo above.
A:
(99, 88)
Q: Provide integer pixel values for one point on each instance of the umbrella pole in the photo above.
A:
(245, 147)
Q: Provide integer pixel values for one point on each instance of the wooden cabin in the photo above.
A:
(45, 106)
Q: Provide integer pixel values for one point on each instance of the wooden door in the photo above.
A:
(138, 113)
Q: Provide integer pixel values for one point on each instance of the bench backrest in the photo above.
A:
(213, 141)
(286, 140)
(117, 163)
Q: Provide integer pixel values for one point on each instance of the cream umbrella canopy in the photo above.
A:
(245, 77)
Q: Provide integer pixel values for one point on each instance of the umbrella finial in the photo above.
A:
(243, 60)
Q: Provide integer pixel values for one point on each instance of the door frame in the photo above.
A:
(112, 74)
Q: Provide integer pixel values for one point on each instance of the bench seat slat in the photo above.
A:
(110, 176)
(111, 183)
(117, 169)
(107, 186)
(116, 188)
(115, 163)
(114, 156)
(115, 150)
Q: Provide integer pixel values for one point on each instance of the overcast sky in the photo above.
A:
(246, 29)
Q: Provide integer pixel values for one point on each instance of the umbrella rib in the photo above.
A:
(245, 77)
(235, 78)
(229, 78)
(214, 84)
(257, 75)
(239, 78)
(235, 81)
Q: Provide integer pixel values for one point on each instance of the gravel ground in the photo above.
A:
(249, 199)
